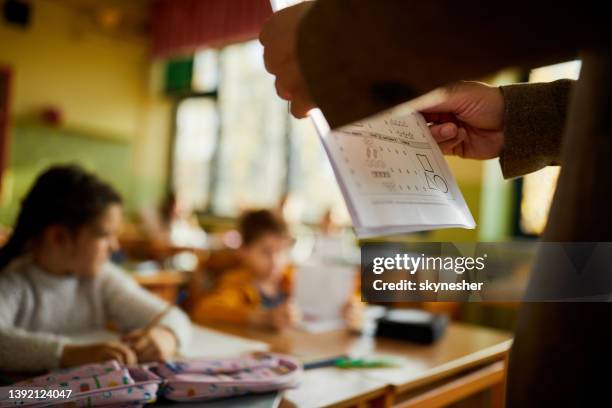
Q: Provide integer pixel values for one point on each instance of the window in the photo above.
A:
(195, 143)
(242, 149)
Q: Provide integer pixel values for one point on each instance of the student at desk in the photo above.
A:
(258, 292)
(56, 281)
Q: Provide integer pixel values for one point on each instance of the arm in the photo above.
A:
(21, 350)
(359, 57)
(534, 118)
(132, 307)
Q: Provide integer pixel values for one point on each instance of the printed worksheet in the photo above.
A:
(394, 177)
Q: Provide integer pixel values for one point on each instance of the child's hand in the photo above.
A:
(74, 355)
(353, 313)
(155, 344)
(285, 316)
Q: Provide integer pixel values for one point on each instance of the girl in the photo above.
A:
(56, 280)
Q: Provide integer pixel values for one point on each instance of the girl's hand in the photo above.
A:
(155, 344)
(74, 355)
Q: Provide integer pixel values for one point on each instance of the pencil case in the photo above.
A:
(93, 385)
(205, 379)
(111, 384)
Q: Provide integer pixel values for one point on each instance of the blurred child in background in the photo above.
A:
(258, 292)
(56, 281)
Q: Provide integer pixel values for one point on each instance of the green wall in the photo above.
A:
(34, 147)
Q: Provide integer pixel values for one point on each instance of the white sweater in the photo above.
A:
(38, 311)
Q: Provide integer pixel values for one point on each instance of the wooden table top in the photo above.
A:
(325, 387)
(163, 277)
(462, 347)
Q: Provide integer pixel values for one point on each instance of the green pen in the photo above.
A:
(363, 363)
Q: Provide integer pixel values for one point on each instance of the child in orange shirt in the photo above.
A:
(258, 292)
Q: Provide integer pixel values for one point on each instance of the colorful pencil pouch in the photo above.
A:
(110, 384)
(120, 387)
(204, 379)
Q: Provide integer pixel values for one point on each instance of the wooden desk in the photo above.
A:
(166, 283)
(462, 351)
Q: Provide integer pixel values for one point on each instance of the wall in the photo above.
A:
(100, 82)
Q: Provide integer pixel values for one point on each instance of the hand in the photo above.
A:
(285, 315)
(468, 121)
(155, 344)
(278, 37)
(353, 313)
(73, 355)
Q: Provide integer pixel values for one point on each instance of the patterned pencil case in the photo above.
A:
(205, 379)
(99, 385)
(111, 384)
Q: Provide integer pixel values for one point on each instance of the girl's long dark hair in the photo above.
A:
(63, 195)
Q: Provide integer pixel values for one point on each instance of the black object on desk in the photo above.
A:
(412, 325)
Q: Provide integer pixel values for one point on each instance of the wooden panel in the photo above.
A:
(489, 377)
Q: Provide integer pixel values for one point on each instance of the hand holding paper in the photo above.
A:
(390, 169)
(468, 120)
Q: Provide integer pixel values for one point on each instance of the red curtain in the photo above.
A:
(182, 26)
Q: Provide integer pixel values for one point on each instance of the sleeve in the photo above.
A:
(534, 120)
(359, 57)
(131, 307)
(21, 350)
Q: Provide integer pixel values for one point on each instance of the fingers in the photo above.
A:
(439, 117)
(444, 132)
(290, 86)
(139, 345)
(133, 335)
(282, 317)
(149, 354)
(288, 82)
(121, 352)
(301, 107)
(278, 38)
(293, 314)
(453, 98)
(286, 315)
(454, 146)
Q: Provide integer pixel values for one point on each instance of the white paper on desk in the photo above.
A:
(204, 342)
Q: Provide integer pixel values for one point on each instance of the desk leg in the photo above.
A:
(384, 401)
